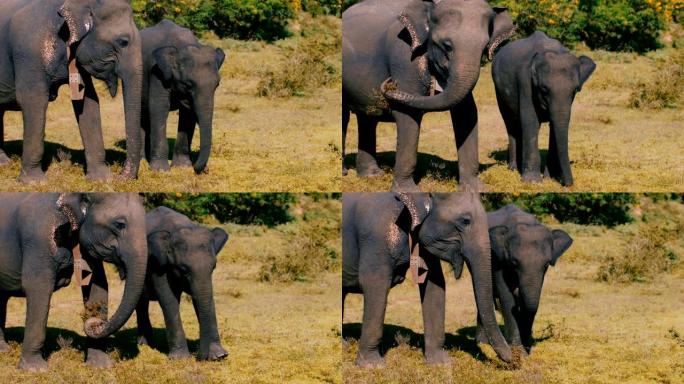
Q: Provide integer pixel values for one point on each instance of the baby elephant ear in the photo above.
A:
(497, 239)
(220, 57)
(78, 18)
(415, 19)
(220, 239)
(561, 242)
(167, 62)
(159, 247)
(587, 67)
(418, 205)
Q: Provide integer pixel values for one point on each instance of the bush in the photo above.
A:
(193, 14)
(253, 19)
(666, 90)
(609, 209)
(322, 7)
(562, 20)
(268, 209)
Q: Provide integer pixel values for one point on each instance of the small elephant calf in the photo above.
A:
(179, 74)
(522, 251)
(536, 81)
(182, 259)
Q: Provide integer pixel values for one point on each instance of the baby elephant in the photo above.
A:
(182, 259)
(522, 250)
(536, 81)
(179, 74)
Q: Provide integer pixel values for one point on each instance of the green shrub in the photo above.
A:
(322, 7)
(665, 90)
(253, 19)
(562, 20)
(240, 208)
(193, 14)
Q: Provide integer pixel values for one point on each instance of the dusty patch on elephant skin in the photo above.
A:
(64, 209)
(394, 238)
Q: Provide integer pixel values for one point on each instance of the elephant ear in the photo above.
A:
(561, 242)
(78, 17)
(220, 238)
(159, 247)
(74, 208)
(220, 58)
(587, 67)
(418, 206)
(501, 28)
(167, 59)
(498, 238)
(415, 19)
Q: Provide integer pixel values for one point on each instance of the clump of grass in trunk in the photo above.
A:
(666, 90)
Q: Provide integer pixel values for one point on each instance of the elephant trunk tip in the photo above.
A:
(95, 327)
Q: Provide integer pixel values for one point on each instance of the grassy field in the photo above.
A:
(586, 331)
(260, 143)
(274, 332)
(613, 148)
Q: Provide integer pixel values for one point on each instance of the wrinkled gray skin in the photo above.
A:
(180, 75)
(182, 259)
(536, 82)
(33, 65)
(375, 233)
(412, 41)
(38, 232)
(522, 251)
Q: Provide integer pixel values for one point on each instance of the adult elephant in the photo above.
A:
(45, 44)
(38, 234)
(431, 50)
(376, 229)
(182, 259)
(180, 74)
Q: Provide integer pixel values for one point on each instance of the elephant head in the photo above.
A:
(189, 254)
(192, 71)
(528, 250)
(556, 79)
(454, 33)
(111, 227)
(107, 45)
(453, 227)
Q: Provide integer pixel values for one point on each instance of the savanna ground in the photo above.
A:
(587, 330)
(613, 148)
(260, 143)
(274, 332)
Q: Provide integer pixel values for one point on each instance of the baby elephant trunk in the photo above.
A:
(203, 301)
(204, 109)
(558, 162)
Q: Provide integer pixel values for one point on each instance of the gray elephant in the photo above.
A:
(102, 41)
(180, 74)
(376, 228)
(536, 81)
(522, 251)
(38, 234)
(432, 52)
(182, 259)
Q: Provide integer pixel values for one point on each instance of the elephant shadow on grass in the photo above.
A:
(60, 153)
(125, 341)
(394, 335)
(428, 164)
(172, 145)
(501, 156)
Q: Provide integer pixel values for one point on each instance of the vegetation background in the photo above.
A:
(625, 130)
(610, 309)
(276, 287)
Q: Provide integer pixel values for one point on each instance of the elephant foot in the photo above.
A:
(369, 360)
(179, 353)
(481, 336)
(96, 358)
(512, 166)
(472, 184)
(532, 177)
(35, 176)
(160, 165)
(182, 161)
(4, 159)
(213, 353)
(99, 174)
(404, 186)
(371, 170)
(144, 339)
(345, 171)
(34, 363)
(4, 347)
(438, 357)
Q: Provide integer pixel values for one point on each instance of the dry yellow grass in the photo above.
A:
(612, 148)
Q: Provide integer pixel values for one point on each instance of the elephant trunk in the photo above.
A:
(203, 301)
(560, 159)
(130, 71)
(204, 109)
(133, 253)
(463, 76)
(480, 267)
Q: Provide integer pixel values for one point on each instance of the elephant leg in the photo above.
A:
(186, 130)
(366, 160)
(38, 291)
(408, 133)
(4, 159)
(480, 333)
(87, 114)
(34, 107)
(375, 291)
(508, 305)
(464, 120)
(4, 347)
(345, 125)
(525, 321)
(95, 297)
(145, 134)
(143, 318)
(531, 161)
(432, 297)
(169, 300)
(159, 107)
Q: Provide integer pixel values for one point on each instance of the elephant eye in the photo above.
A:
(120, 225)
(448, 47)
(122, 42)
